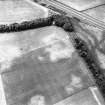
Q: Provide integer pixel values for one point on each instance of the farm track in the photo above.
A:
(72, 12)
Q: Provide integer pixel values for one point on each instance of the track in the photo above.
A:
(72, 12)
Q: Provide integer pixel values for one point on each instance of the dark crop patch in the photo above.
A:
(65, 23)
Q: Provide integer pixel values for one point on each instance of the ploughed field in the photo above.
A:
(17, 11)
